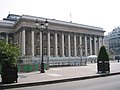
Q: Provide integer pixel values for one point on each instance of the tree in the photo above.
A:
(8, 53)
(103, 55)
(9, 56)
(103, 61)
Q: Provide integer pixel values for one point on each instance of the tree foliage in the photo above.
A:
(8, 53)
(103, 55)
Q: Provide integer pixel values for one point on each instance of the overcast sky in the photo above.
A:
(99, 13)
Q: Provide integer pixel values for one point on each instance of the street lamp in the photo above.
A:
(41, 26)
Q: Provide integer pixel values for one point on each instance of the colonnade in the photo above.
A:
(90, 44)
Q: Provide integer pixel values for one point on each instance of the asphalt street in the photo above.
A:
(103, 83)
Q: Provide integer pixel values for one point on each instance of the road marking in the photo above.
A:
(55, 69)
(55, 75)
(74, 67)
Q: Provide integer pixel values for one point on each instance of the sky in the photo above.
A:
(98, 13)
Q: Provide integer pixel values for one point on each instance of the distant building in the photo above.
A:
(114, 41)
(106, 42)
(61, 39)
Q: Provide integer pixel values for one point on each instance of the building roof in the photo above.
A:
(12, 19)
(5, 23)
(61, 22)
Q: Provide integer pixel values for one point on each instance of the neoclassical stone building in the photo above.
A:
(60, 39)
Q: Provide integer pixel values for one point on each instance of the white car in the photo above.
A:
(92, 58)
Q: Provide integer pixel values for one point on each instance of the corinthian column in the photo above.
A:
(62, 45)
(75, 54)
(41, 43)
(95, 45)
(90, 45)
(69, 48)
(56, 46)
(81, 46)
(7, 38)
(85, 45)
(23, 42)
(32, 42)
(48, 43)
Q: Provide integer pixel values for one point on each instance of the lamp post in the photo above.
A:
(41, 26)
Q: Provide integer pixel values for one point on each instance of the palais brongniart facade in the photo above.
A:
(60, 39)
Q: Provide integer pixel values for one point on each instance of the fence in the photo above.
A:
(29, 67)
(33, 65)
(61, 61)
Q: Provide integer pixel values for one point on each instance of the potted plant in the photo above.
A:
(9, 55)
(103, 65)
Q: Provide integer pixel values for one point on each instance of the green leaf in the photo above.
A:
(8, 52)
(103, 55)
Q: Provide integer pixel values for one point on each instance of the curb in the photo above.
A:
(55, 81)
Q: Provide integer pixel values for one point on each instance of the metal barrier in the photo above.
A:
(57, 61)
(27, 65)
(30, 67)
(34, 64)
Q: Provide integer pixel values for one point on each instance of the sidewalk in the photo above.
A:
(60, 74)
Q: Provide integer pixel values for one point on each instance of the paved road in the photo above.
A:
(60, 73)
(103, 83)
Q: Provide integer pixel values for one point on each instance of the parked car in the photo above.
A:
(92, 58)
